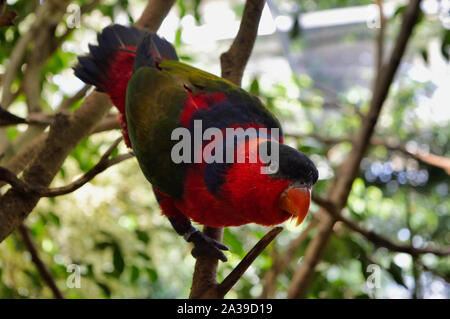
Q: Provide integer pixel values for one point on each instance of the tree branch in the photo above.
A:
(154, 14)
(435, 272)
(69, 101)
(48, 43)
(7, 19)
(44, 272)
(339, 191)
(102, 165)
(65, 133)
(97, 169)
(380, 37)
(46, 14)
(420, 155)
(240, 269)
(373, 237)
(38, 117)
(110, 122)
(233, 63)
(220, 290)
(281, 262)
(21, 159)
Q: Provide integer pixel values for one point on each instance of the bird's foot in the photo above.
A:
(206, 246)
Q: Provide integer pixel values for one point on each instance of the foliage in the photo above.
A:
(113, 230)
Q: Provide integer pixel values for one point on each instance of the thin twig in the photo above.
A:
(240, 269)
(7, 18)
(110, 122)
(435, 272)
(2, 5)
(69, 101)
(64, 134)
(220, 290)
(48, 43)
(373, 237)
(154, 14)
(7, 118)
(97, 169)
(40, 118)
(420, 155)
(233, 63)
(380, 38)
(44, 272)
(102, 165)
(45, 14)
(282, 261)
(349, 169)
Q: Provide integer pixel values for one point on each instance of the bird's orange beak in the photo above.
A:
(295, 201)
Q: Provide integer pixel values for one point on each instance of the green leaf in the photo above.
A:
(445, 47)
(296, 28)
(105, 289)
(178, 33)
(90, 271)
(197, 15)
(107, 234)
(233, 242)
(118, 261)
(152, 274)
(103, 245)
(130, 18)
(34, 277)
(185, 58)
(143, 255)
(182, 8)
(38, 228)
(397, 274)
(12, 132)
(54, 218)
(399, 10)
(424, 54)
(134, 274)
(142, 236)
(254, 87)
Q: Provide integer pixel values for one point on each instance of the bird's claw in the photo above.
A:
(206, 246)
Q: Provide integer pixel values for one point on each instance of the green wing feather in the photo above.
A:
(154, 103)
(194, 78)
(155, 100)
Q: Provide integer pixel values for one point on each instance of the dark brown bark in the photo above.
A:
(65, 133)
(233, 63)
(44, 272)
(348, 171)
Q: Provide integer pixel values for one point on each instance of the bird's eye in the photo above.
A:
(272, 168)
(199, 87)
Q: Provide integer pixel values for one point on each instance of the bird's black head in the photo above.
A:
(291, 165)
(286, 163)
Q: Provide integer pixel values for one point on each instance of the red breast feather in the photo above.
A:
(247, 196)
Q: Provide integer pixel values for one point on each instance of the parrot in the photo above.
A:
(156, 94)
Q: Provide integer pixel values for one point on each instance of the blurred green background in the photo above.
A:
(312, 65)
